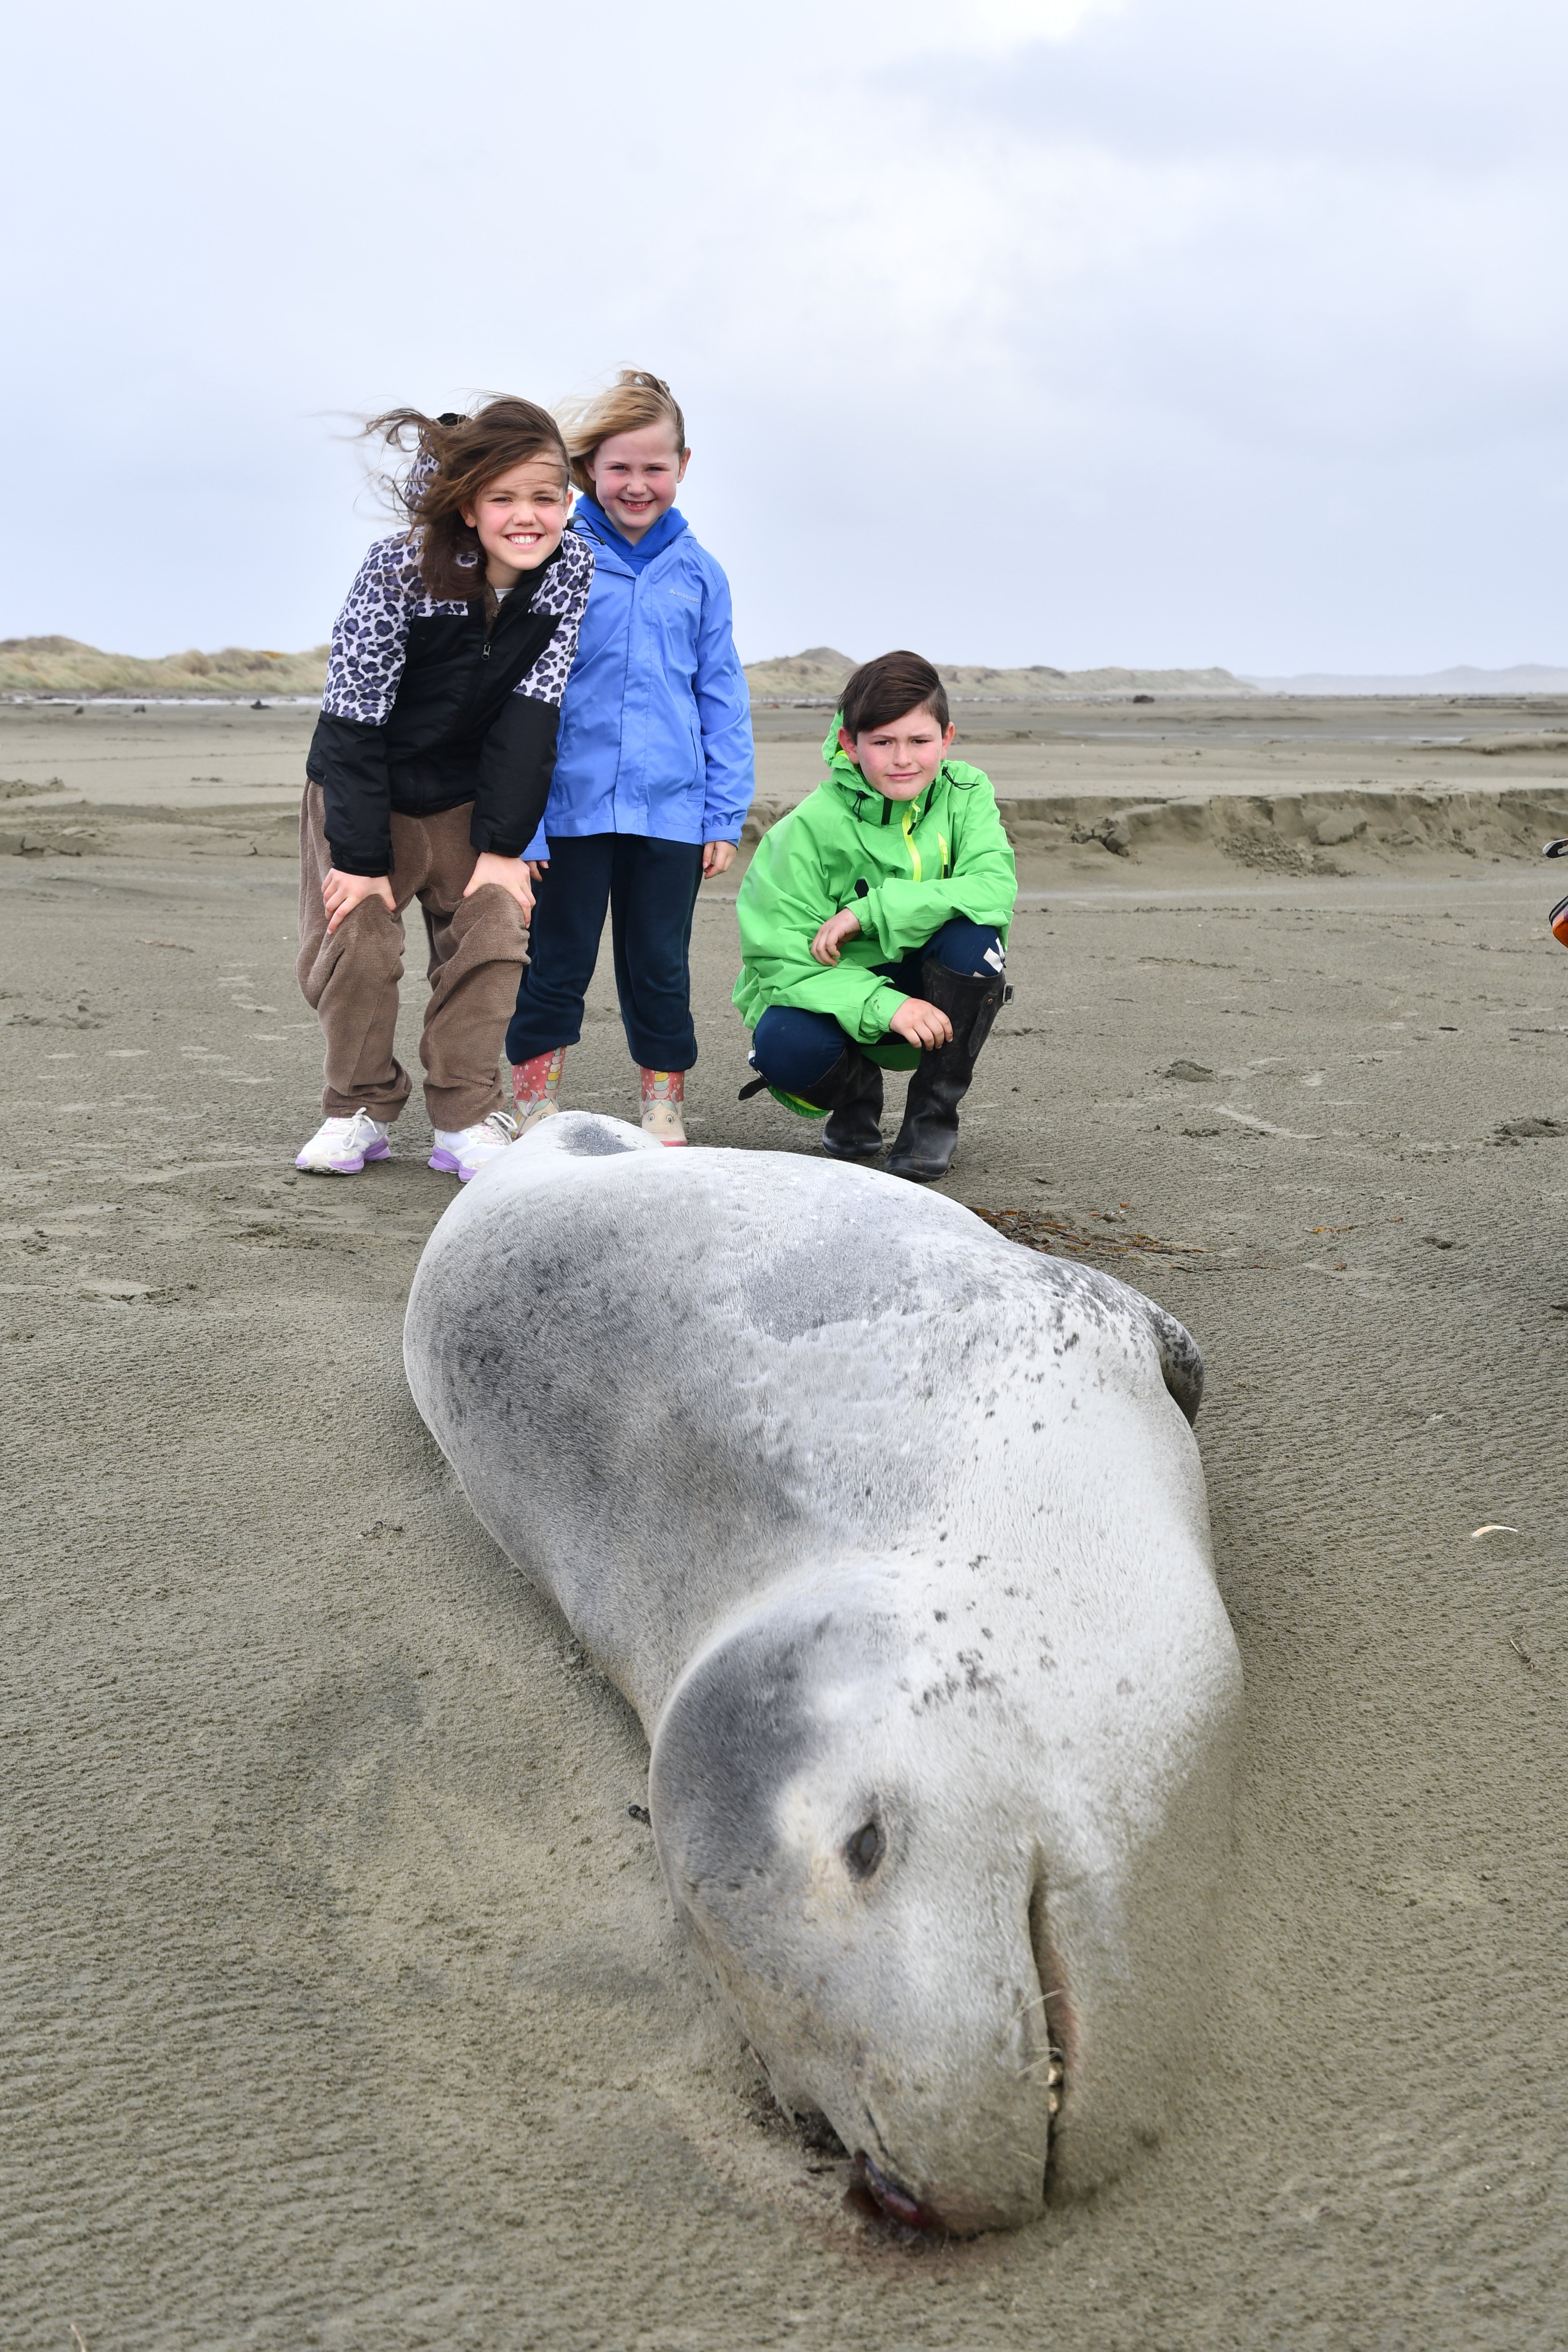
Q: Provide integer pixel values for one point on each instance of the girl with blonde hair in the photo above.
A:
(654, 769)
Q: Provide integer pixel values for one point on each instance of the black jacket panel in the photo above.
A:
(429, 705)
(458, 678)
(348, 759)
(516, 764)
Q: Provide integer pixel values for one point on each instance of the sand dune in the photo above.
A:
(816, 676)
(63, 666)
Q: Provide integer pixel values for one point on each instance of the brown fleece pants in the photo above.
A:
(349, 976)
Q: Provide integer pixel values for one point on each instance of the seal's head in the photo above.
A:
(862, 1881)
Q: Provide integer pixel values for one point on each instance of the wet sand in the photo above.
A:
(234, 756)
(342, 2004)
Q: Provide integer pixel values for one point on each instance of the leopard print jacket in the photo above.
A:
(370, 635)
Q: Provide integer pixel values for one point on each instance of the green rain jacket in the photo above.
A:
(906, 867)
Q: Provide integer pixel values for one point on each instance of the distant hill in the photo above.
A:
(817, 675)
(814, 675)
(62, 666)
(1524, 678)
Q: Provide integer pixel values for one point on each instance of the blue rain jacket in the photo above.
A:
(656, 723)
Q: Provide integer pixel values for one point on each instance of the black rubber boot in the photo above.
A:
(851, 1093)
(929, 1136)
(853, 1128)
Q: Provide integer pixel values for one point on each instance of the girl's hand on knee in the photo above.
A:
(919, 1023)
(837, 928)
(341, 893)
(718, 857)
(507, 874)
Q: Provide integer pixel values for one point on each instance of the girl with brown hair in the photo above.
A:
(655, 772)
(428, 772)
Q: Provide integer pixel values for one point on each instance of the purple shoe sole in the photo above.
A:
(346, 1167)
(447, 1164)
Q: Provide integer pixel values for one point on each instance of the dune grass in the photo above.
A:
(62, 666)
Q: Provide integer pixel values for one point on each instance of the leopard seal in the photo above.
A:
(894, 1534)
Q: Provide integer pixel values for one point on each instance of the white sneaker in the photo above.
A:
(462, 1151)
(341, 1147)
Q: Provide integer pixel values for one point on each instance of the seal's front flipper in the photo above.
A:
(1181, 1360)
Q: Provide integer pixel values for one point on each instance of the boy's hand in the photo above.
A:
(341, 893)
(507, 874)
(536, 866)
(718, 857)
(919, 1023)
(824, 946)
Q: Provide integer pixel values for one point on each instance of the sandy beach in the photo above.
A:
(343, 2006)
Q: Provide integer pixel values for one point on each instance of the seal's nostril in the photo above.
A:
(864, 1850)
(895, 2202)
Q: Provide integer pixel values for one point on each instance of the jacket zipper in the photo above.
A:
(471, 696)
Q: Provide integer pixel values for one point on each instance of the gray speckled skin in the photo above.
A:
(876, 1519)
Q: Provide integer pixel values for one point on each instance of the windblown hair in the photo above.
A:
(884, 689)
(456, 458)
(636, 399)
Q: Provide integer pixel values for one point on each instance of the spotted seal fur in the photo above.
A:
(894, 1534)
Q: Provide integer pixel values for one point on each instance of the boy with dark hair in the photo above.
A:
(874, 926)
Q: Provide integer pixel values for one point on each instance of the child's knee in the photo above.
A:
(365, 952)
(490, 926)
(795, 1049)
(974, 950)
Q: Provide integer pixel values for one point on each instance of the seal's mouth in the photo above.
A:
(962, 2216)
(894, 2200)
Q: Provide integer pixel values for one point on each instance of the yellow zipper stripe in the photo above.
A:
(909, 839)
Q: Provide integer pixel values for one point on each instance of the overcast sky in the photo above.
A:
(1172, 332)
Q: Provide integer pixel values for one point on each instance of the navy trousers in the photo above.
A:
(650, 890)
(794, 1049)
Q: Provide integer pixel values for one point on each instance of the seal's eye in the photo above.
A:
(864, 1850)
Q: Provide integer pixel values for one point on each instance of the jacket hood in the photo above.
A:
(589, 517)
(867, 804)
(838, 762)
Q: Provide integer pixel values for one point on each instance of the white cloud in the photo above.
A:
(1179, 330)
(983, 26)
